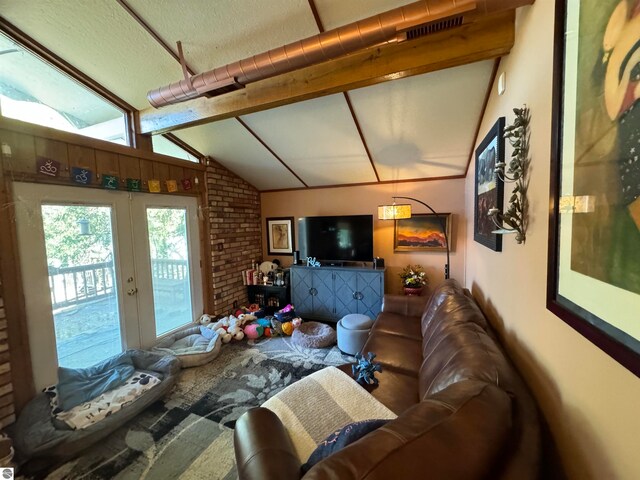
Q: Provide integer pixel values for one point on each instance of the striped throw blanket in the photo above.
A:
(320, 404)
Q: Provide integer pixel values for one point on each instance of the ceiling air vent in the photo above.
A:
(434, 27)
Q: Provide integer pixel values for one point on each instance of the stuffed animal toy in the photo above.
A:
(254, 307)
(253, 331)
(235, 329)
(264, 322)
(205, 320)
(287, 328)
(364, 370)
(296, 322)
(276, 326)
(268, 332)
(246, 318)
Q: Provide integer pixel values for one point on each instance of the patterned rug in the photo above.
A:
(189, 435)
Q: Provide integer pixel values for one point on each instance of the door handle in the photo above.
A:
(132, 291)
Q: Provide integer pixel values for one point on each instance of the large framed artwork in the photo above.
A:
(489, 189)
(280, 236)
(594, 241)
(422, 232)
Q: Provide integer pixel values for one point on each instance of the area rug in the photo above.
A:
(189, 435)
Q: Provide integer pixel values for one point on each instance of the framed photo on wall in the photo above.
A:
(280, 236)
(422, 233)
(489, 189)
(594, 226)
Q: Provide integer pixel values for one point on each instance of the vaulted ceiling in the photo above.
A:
(421, 126)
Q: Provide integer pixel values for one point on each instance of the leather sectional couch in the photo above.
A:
(463, 410)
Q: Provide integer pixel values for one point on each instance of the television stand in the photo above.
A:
(330, 292)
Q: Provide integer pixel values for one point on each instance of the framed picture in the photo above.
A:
(594, 225)
(489, 189)
(280, 236)
(422, 232)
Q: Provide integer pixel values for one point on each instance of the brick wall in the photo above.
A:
(7, 409)
(235, 234)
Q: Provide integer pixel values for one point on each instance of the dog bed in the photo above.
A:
(314, 335)
(39, 436)
(193, 346)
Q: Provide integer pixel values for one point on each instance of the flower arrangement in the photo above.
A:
(414, 276)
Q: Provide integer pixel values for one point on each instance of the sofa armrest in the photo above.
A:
(458, 433)
(263, 448)
(408, 305)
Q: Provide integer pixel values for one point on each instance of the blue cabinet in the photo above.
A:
(329, 293)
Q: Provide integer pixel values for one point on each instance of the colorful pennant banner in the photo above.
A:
(110, 182)
(154, 186)
(134, 184)
(46, 166)
(81, 175)
(172, 186)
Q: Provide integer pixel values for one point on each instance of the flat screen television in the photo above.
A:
(347, 238)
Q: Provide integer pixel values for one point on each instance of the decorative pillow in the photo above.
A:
(340, 439)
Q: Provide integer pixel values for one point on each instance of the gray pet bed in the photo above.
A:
(314, 335)
(37, 436)
(191, 346)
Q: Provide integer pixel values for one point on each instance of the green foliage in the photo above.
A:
(66, 247)
(413, 276)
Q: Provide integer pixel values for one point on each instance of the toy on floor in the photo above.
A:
(364, 369)
(253, 331)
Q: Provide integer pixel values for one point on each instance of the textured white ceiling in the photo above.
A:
(317, 139)
(99, 38)
(234, 147)
(335, 13)
(223, 31)
(415, 128)
(423, 126)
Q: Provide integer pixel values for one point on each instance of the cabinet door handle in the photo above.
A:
(313, 292)
(357, 296)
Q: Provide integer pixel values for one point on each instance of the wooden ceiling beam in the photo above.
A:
(488, 37)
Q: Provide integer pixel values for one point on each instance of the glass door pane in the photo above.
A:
(80, 260)
(170, 275)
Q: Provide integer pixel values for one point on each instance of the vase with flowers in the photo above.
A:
(414, 279)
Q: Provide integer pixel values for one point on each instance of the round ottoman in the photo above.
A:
(314, 335)
(353, 331)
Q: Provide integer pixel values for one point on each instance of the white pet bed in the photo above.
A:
(193, 346)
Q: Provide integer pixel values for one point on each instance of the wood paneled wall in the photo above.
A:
(28, 142)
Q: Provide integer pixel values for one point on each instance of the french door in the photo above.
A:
(104, 271)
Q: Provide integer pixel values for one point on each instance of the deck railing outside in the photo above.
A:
(84, 283)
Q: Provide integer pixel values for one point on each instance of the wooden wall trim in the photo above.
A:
(12, 294)
(82, 141)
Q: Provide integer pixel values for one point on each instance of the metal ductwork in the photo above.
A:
(391, 26)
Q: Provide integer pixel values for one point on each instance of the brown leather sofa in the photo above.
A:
(463, 410)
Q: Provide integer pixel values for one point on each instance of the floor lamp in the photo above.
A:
(403, 210)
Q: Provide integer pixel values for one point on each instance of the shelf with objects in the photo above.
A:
(270, 290)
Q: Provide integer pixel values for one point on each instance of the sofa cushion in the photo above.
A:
(440, 294)
(395, 324)
(457, 308)
(395, 352)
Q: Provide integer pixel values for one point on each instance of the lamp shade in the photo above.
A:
(394, 212)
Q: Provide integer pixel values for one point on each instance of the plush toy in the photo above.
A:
(287, 328)
(254, 307)
(235, 329)
(205, 319)
(268, 332)
(264, 322)
(246, 318)
(253, 331)
(364, 369)
(276, 326)
(296, 322)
